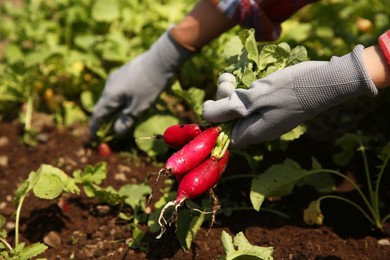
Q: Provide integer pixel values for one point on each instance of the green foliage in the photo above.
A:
(50, 182)
(23, 252)
(239, 247)
(371, 200)
(249, 61)
(328, 28)
(148, 128)
(69, 47)
(280, 180)
(194, 98)
(47, 182)
(188, 224)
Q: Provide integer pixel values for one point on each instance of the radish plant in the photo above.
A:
(47, 182)
(280, 179)
(370, 196)
(50, 182)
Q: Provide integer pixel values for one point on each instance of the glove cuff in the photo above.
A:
(164, 59)
(340, 80)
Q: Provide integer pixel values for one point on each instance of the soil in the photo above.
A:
(89, 231)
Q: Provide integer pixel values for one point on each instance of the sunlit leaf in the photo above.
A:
(194, 97)
(134, 193)
(151, 126)
(73, 113)
(240, 248)
(32, 250)
(313, 215)
(294, 133)
(48, 187)
(105, 11)
(278, 180)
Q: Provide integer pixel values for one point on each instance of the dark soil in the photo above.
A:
(85, 234)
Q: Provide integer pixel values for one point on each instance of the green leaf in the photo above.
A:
(188, 224)
(323, 183)
(87, 100)
(32, 250)
(134, 193)
(294, 133)
(297, 55)
(13, 53)
(278, 180)
(240, 248)
(267, 56)
(313, 215)
(348, 143)
(87, 41)
(251, 47)
(90, 176)
(233, 49)
(105, 11)
(296, 30)
(48, 187)
(49, 182)
(248, 77)
(155, 124)
(384, 154)
(21, 191)
(73, 113)
(194, 97)
(107, 195)
(137, 236)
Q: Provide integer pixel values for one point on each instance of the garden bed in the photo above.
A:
(88, 230)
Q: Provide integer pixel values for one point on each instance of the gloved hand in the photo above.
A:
(131, 89)
(284, 99)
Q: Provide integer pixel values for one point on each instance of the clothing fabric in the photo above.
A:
(265, 16)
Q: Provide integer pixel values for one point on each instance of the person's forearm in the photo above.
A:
(202, 25)
(377, 66)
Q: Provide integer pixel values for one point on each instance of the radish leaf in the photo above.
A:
(150, 127)
(188, 225)
(240, 247)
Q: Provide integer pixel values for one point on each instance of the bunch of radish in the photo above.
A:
(197, 165)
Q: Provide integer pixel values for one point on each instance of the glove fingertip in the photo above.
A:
(225, 89)
(123, 124)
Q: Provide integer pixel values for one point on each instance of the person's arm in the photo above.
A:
(202, 25)
(377, 61)
(132, 89)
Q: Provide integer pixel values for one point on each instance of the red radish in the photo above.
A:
(196, 182)
(179, 177)
(190, 155)
(199, 180)
(63, 204)
(193, 153)
(176, 136)
(222, 163)
(104, 149)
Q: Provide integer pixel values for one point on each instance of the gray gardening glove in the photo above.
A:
(284, 99)
(132, 89)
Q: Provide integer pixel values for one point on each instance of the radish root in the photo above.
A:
(160, 172)
(161, 219)
(215, 206)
